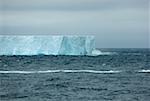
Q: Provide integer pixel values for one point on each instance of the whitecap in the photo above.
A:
(144, 71)
(57, 71)
(97, 52)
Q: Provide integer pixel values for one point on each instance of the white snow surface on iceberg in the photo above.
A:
(47, 45)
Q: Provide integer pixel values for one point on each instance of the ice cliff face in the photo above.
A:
(47, 45)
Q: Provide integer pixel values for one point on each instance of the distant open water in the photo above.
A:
(123, 75)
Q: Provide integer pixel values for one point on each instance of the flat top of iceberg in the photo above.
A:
(47, 35)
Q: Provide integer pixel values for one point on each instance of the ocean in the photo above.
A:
(116, 75)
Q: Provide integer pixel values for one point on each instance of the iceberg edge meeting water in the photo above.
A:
(47, 45)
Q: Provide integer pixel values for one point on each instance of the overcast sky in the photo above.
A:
(114, 23)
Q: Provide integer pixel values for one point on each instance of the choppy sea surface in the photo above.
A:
(117, 75)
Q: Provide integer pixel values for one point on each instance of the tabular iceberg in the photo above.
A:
(47, 45)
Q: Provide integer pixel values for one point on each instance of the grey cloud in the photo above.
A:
(115, 23)
(71, 4)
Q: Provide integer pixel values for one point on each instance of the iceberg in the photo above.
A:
(46, 45)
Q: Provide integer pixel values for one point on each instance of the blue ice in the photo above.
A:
(47, 45)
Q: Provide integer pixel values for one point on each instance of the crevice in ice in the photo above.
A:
(59, 52)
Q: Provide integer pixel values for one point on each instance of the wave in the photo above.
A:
(108, 53)
(97, 52)
(71, 71)
(57, 71)
(144, 71)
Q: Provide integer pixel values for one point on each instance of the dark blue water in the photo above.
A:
(28, 84)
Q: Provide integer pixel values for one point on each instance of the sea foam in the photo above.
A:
(59, 71)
